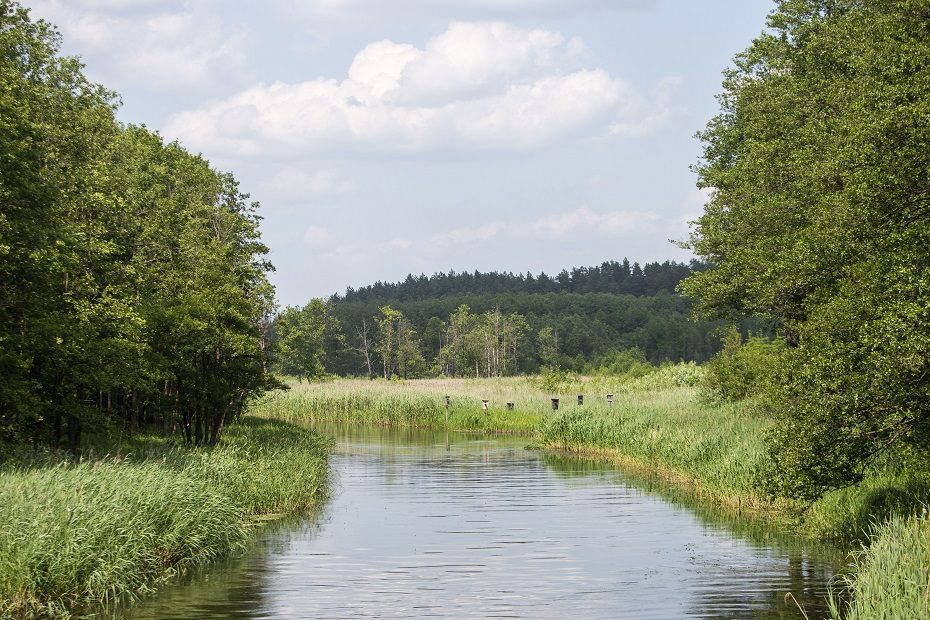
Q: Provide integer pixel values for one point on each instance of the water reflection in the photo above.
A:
(430, 524)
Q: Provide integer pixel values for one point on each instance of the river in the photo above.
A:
(433, 525)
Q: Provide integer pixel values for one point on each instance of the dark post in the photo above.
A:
(555, 404)
(448, 400)
(610, 400)
(581, 399)
(509, 406)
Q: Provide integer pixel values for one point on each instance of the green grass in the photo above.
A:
(415, 404)
(890, 579)
(75, 536)
(716, 451)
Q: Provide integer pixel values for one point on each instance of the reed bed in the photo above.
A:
(416, 404)
(714, 450)
(890, 579)
(110, 529)
(420, 403)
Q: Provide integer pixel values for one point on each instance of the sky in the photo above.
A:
(414, 136)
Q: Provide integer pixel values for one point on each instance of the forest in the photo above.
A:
(608, 277)
(579, 320)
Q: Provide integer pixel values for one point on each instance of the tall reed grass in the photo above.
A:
(890, 579)
(417, 404)
(74, 536)
(715, 450)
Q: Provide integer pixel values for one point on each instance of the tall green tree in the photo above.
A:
(303, 336)
(398, 345)
(819, 219)
(133, 280)
(54, 124)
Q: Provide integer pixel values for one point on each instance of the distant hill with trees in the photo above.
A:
(495, 323)
(612, 277)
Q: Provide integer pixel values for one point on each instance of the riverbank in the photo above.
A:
(890, 578)
(111, 528)
(657, 426)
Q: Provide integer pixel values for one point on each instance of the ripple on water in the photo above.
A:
(482, 528)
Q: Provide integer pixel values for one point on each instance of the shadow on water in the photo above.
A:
(231, 588)
(437, 524)
(808, 566)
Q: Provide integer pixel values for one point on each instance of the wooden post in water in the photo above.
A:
(580, 399)
(509, 406)
(610, 400)
(448, 400)
(555, 404)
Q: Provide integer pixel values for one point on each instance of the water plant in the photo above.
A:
(890, 578)
(108, 529)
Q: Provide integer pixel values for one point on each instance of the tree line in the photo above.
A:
(609, 277)
(490, 334)
(133, 281)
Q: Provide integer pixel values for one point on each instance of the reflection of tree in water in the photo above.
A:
(771, 601)
(234, 588)
(809, 567)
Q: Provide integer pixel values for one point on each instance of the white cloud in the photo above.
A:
(477, 234)
(294, 184)
(585, 221)
(162, 45)
(368, 11)
(318, 236)
(576, 224)
(484, 85)
(399, 244)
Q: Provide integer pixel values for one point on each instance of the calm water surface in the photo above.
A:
(430, 525)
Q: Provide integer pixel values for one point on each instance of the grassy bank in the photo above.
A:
(73, 536)
(891, 578)
(658, 425)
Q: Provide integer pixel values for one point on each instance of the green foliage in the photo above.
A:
(486, 345)
(300, 339)
(101, 531)
(741, 369)
(588, 325)
(557, 381)
(891, 578)
(609, 277)
(398, 345)
(629, 363)
(818, 219)
(133, 283)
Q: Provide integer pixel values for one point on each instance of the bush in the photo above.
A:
(627, 363)
(741, 369)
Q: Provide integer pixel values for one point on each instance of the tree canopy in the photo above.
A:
(609, 277)
(819, 218)
(133, 286)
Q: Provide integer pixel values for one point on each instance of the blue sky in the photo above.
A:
(384, 138)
